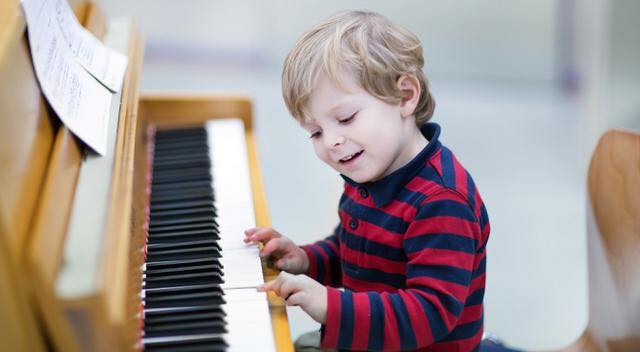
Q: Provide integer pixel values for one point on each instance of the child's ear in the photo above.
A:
(410, 88)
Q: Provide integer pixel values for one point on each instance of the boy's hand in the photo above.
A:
(289, 257)
(300, 290)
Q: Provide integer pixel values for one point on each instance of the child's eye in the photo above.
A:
(348, 119)
(315, 135)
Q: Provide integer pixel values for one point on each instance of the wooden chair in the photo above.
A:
(613, 231)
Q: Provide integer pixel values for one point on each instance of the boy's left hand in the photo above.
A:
(300, 290)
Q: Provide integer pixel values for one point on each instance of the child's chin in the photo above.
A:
(360, 178)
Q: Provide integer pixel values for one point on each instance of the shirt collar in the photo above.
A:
(383, 190)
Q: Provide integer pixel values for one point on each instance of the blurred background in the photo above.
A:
(523, 90)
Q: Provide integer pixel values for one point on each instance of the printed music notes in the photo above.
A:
(77, 73)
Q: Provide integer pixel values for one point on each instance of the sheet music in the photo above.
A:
(105, 64)
(80, 101)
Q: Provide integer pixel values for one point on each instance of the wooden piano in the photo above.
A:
(78, 269)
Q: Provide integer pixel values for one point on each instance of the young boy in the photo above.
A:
(409, 249)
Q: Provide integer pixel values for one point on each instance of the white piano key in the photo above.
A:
(247, 309)
(249, 322)
(231, 180)
(242, 268)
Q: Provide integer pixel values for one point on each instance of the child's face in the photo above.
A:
(355, 133)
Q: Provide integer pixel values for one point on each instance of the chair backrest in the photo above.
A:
(614, 242)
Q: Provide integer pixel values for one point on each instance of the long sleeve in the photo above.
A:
(444, 258)
(324, 260)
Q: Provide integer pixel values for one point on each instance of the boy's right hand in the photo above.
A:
(290, 257)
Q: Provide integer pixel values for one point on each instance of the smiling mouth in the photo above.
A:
(350, 157)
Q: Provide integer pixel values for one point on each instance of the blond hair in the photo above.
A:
(365, 44)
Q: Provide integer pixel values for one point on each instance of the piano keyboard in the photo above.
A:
(199, 279)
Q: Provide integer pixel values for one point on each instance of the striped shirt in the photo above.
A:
(410, 253)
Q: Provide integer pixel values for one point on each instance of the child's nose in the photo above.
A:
(332, 139)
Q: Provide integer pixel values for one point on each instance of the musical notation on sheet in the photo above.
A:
(105, 64)
(79, 100)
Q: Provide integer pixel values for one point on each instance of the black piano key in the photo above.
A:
(182, 204)
(168, 272)
(168, 291)
(173, 179)
(186, 314)
(182, 279)
(150, 265)
(156, 247)
(180, 212)
(195, 153)
(179, 152)
(194, 343)
(180, 164)
(165, 142)
(190, 328)
(162, 165)
(183, 194)
(186, 230)
(182, 298)
(173, 238)
(181, 173)
(206, 225)
(193, 217)
(184, 253)
(180, 185)
(213, 314)
(181, 146)
(168, 249)
(180, 221)
(210, 230)
(185, 300)
(164, 137)
(205, 192)
(161, 312)
(179, 132)
(192, 268)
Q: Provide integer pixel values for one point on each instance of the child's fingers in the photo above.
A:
(264, 235)
(289, 286)
(249, 232)
(272, 246)
(288, 263)
(272, 285)
(283, 285)
(283, 264)
(295, 299)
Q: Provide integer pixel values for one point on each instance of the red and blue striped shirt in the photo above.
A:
(410, 253)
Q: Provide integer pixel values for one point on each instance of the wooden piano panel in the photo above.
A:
(26, 135)
(39, 165)
(26, 131)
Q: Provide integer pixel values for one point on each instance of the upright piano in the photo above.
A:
(140, 249)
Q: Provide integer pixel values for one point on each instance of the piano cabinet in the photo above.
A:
(65, 290)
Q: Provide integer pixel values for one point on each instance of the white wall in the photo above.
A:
(608, 57)
(503, 39)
